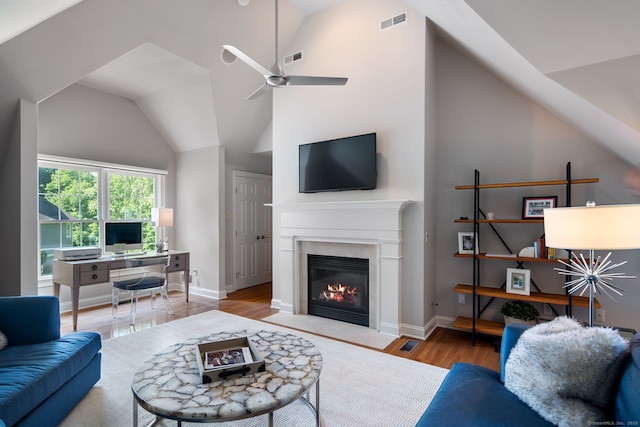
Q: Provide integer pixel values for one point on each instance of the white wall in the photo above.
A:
(199, 214)
(484, 124)
(85, 123)
(385, 94)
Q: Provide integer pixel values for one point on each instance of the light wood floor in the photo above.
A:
(443, 348)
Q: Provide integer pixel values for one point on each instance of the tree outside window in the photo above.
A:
(71, 212)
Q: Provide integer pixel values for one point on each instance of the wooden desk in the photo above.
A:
(76, 274)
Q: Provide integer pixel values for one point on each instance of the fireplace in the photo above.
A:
(338, 288)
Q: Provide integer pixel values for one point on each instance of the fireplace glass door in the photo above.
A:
(339, 288)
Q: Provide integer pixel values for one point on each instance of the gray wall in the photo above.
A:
(17, 160)
(84, 123)
(484, 124)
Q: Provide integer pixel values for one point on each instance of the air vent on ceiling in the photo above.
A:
(393, 21)
(293, 58)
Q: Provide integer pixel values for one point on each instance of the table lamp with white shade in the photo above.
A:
(160, 218)
(591, 227)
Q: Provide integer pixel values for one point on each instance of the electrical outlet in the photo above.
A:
(462, 299)
(546, 310)
(600, 315)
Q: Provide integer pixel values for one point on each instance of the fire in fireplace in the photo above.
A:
(338, 288)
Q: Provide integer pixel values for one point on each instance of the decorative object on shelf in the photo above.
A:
(533, 207)
(591, 227)
(528, 252)
(519, 312)
(160, 218)
(466, 242)
(518, 281)
(491, 216)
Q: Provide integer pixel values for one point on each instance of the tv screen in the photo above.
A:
(122, 236)
(338, 164)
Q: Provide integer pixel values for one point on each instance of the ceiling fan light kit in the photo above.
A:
(275, 77)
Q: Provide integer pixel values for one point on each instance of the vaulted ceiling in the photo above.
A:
(586, 46)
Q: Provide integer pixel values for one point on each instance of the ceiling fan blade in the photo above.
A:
(247, 60)
(318, 81)
(261, 90)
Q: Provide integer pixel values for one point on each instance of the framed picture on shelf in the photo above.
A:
(533, 207)
(466, 242)
(518, 281)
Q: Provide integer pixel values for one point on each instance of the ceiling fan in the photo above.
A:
(276, 77)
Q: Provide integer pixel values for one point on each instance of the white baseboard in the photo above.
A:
(423, 332)
(208, 293)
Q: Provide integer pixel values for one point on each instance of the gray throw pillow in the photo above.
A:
(3, 341)
(566, 372)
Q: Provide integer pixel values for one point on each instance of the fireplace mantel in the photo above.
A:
(373, 224)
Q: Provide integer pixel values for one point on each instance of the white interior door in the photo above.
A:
(252, 229)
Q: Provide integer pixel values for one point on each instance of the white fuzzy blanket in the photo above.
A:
(565, 372)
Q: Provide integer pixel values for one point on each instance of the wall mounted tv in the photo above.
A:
(122, 236)
(338, 164)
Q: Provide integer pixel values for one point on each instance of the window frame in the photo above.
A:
(104, 170)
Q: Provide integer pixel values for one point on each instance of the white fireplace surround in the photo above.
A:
(361, 229)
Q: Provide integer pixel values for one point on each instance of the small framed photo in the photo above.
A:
(518, 281)
(467, 242)
(533, 207)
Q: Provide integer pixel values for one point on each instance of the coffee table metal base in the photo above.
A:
(315, 409)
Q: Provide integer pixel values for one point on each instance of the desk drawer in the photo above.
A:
(96, 276)
(94, 266)
(179, 262)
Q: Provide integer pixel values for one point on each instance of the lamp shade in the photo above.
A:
(162, 217)
(607, 227)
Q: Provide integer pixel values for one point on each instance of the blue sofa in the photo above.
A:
(472, 395)
(42, 376)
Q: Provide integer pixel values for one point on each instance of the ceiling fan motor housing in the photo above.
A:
(277, 81)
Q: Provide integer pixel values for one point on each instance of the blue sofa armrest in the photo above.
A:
(510, 337)
(30, 319)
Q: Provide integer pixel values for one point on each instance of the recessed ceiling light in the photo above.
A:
(243, 2)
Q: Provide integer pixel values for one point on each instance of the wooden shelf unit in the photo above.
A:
(508, 258)
(475, 324)
(529, 184)
(542, 297)
(481, 326)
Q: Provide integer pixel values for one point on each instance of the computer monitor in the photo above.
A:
(122, 236)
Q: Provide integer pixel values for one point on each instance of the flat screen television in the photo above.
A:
(122, 236)
(338, 164)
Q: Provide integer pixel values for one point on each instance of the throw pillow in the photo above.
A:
(566, 372)
(3, 341)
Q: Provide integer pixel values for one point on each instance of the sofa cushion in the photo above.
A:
(30, 319)
(627, 403)
(30, 373)
(566, 372)
(472, 395)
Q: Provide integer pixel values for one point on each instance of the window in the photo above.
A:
(75, 199)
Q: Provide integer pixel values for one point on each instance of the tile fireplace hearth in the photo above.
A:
(370, 230)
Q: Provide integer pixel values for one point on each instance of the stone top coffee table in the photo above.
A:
(168, 384)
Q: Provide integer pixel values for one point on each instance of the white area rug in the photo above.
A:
(358, 387)
(333, 328)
